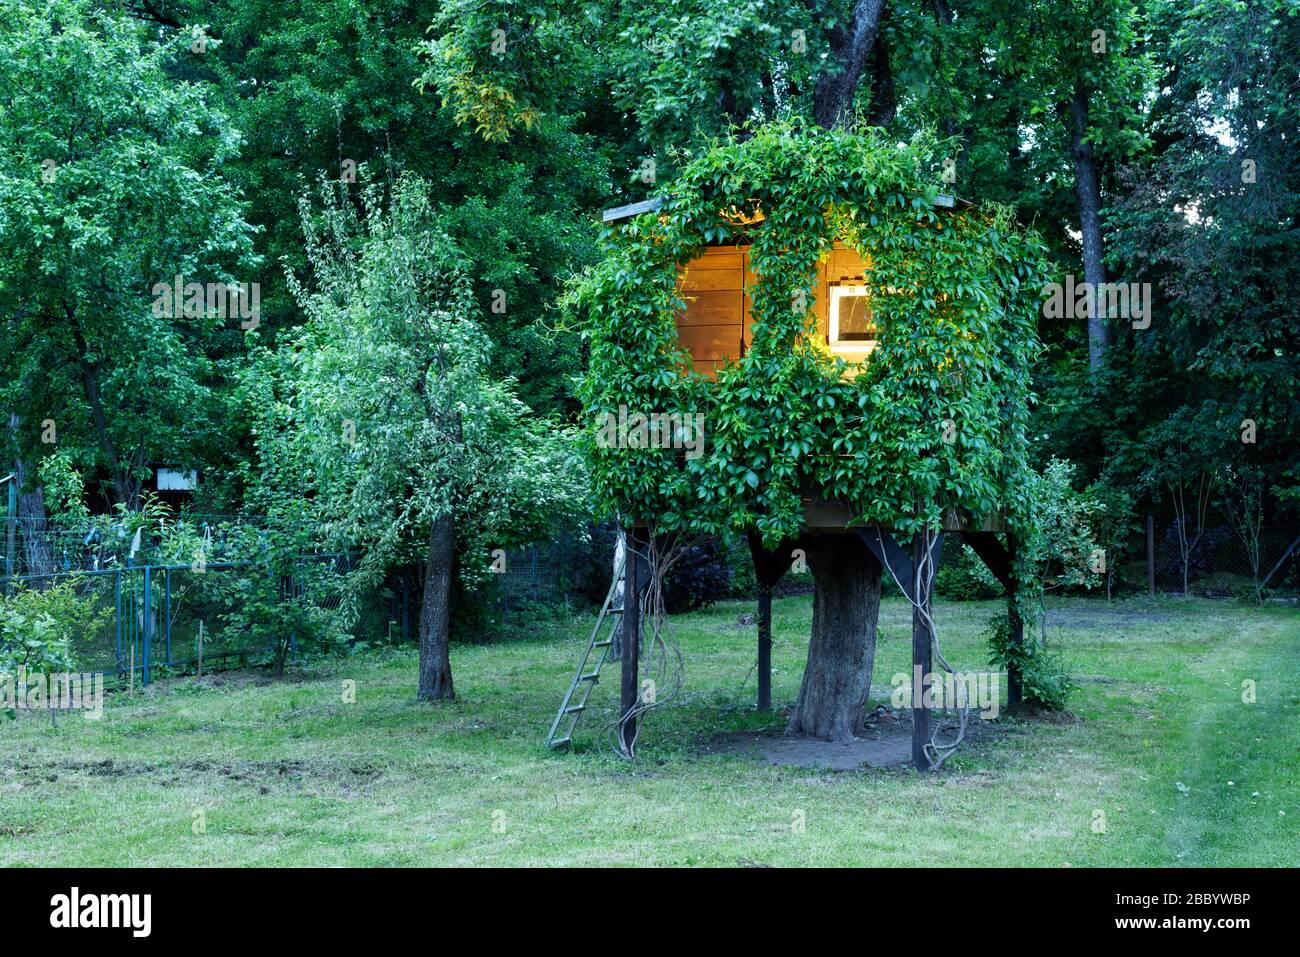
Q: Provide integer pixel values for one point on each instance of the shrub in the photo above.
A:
(1044, 681)
(1062, 551)
(966, 579)
(275, 613)
(698, 578)
(275, 599)
(38, 627)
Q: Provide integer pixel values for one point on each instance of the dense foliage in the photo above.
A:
(39, 628)
(1145, 141)
(936, 421)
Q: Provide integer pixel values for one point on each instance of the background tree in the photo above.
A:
(380, 411)
(113, 182)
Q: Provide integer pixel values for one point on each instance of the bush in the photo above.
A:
(1044, 681)
(966, 579)
(1062, 550)
(38, 626)
(273, 613)
(275, 599)
(698, 578)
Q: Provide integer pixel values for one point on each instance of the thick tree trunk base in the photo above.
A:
(435, 615)
(842, 648)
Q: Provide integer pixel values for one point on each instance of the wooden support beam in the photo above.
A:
(831, 515)
(1015, 621)
(769, 568)
(634, 568)
(894, 559)
(631, 209)
(921, 641)
(993, 554)
(764, 702)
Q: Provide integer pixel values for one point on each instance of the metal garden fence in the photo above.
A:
(1219, 562)
(147, 619)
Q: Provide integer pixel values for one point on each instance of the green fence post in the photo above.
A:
(117, 604)
(406, 604)
(167, 614)
(147, 636)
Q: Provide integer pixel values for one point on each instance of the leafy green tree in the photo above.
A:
(1210, 221)
(113, 182)
(319, 88)
(380, 412)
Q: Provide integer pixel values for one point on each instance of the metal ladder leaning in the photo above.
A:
(585, 678)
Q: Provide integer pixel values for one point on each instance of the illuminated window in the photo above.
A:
(853, 328)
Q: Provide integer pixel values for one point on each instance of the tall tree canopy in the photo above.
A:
(1145, 141)
(113, 182)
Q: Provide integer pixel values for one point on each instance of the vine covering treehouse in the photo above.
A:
(857, 348)
(715, 325)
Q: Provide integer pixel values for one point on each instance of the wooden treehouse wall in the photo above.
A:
(715, 326)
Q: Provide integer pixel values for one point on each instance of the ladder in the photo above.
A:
(589, 665)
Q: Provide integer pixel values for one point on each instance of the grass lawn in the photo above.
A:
(285, 773)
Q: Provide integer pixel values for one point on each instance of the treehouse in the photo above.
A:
(954, 335)
(716, 325)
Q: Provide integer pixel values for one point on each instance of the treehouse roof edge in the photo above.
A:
(617, 213)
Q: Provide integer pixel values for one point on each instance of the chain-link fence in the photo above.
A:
(138, 622)
(1217, 561)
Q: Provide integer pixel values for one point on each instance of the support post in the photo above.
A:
(1016, 623)
(1151, 555)
(406, 604)
(631, 635)
(920, 657)
(769, 568)
(167, 614)
(764, 647)
(117, 619)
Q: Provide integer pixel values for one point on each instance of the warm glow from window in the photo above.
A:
(852, 324)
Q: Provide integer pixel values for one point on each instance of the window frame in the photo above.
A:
(837, 294)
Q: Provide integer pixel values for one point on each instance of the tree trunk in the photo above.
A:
(850, 51)
(32, 524)
(884, 101)
(841, 651)
(123, 488)
(31, 516)
(1087, 186)
(435, 614)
